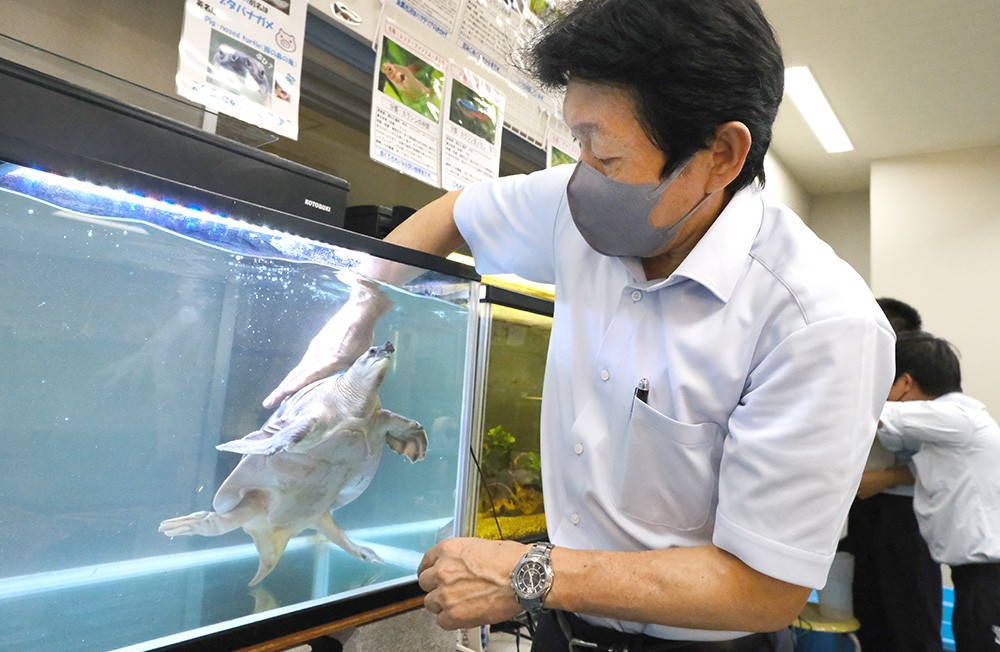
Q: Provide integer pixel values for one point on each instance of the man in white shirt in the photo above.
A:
(714, 374)
(897, 585)
(957, 471)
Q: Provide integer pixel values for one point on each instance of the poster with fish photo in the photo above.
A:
(406, 105)
(487, 36)
(561, 147)
(243, 58)
(470, 148)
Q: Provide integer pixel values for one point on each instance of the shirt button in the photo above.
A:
(636, 295)
(578, 449)
(605, 375)
(574, 518)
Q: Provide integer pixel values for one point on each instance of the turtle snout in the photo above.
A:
(383, 350)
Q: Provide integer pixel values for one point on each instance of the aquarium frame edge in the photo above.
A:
(310, 619)
(511, 299)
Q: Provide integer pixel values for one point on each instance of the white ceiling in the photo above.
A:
(904, 77)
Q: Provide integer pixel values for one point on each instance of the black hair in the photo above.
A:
(902, 316)
(931, 361)
(691, 65)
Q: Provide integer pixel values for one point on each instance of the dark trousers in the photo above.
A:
(897, 586)
(549, 637)
(976, 618)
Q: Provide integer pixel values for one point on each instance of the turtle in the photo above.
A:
(317, 452)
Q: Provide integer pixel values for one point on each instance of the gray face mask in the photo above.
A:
(613, 217)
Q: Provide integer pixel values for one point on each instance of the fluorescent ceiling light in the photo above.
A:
(805, 93)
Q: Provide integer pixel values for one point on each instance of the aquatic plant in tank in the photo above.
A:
(512, 479)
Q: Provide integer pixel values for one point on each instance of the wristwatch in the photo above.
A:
(532, 577)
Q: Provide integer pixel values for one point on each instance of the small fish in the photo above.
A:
(472, 111)
(405, 81)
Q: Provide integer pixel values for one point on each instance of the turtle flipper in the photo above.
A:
(404, 436)
(207, 524)
(257, 444)
(212, 524)
(325, 526)
(270, 544)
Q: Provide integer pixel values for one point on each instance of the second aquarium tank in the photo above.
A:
(514, 338)
(136, 336)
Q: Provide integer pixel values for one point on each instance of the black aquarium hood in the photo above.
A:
(58, 127)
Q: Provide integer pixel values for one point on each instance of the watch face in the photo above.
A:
(531, 579)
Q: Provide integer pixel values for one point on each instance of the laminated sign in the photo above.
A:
(449, 79)
(406, 105)
(244, 58)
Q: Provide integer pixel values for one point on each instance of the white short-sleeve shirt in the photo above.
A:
(957, 473)
(768, 362)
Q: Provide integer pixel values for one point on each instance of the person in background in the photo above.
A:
(897, 585)
(902, 316)
(714, 374)
(957, 471)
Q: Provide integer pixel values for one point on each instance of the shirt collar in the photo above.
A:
(717, 261)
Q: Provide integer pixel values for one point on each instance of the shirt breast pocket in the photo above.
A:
(666, 471)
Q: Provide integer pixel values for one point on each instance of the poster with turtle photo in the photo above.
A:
(244, 58)
(406, 105)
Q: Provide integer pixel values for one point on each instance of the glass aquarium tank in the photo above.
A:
(139, 330)
(514, 338)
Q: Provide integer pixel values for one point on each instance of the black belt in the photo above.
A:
(586, 637)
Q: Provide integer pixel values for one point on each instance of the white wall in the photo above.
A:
(782, 187)
(136, 41)
(843, 221)
(936, 245)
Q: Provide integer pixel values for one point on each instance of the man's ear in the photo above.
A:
(728, 154)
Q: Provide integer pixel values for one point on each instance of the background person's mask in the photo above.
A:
(613, 217)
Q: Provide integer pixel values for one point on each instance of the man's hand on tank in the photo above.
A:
(346, 336)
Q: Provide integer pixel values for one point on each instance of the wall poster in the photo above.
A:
(472, 47)
(471, 145)
(243, 58)
(561, 147)
(406, 105)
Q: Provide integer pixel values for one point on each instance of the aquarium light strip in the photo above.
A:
(88, 575)
(125, 196)
(288, 244)
(114, 194)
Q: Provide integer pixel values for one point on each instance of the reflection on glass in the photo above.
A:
(136, 335)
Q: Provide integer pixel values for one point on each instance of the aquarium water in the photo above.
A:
(135, 336)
